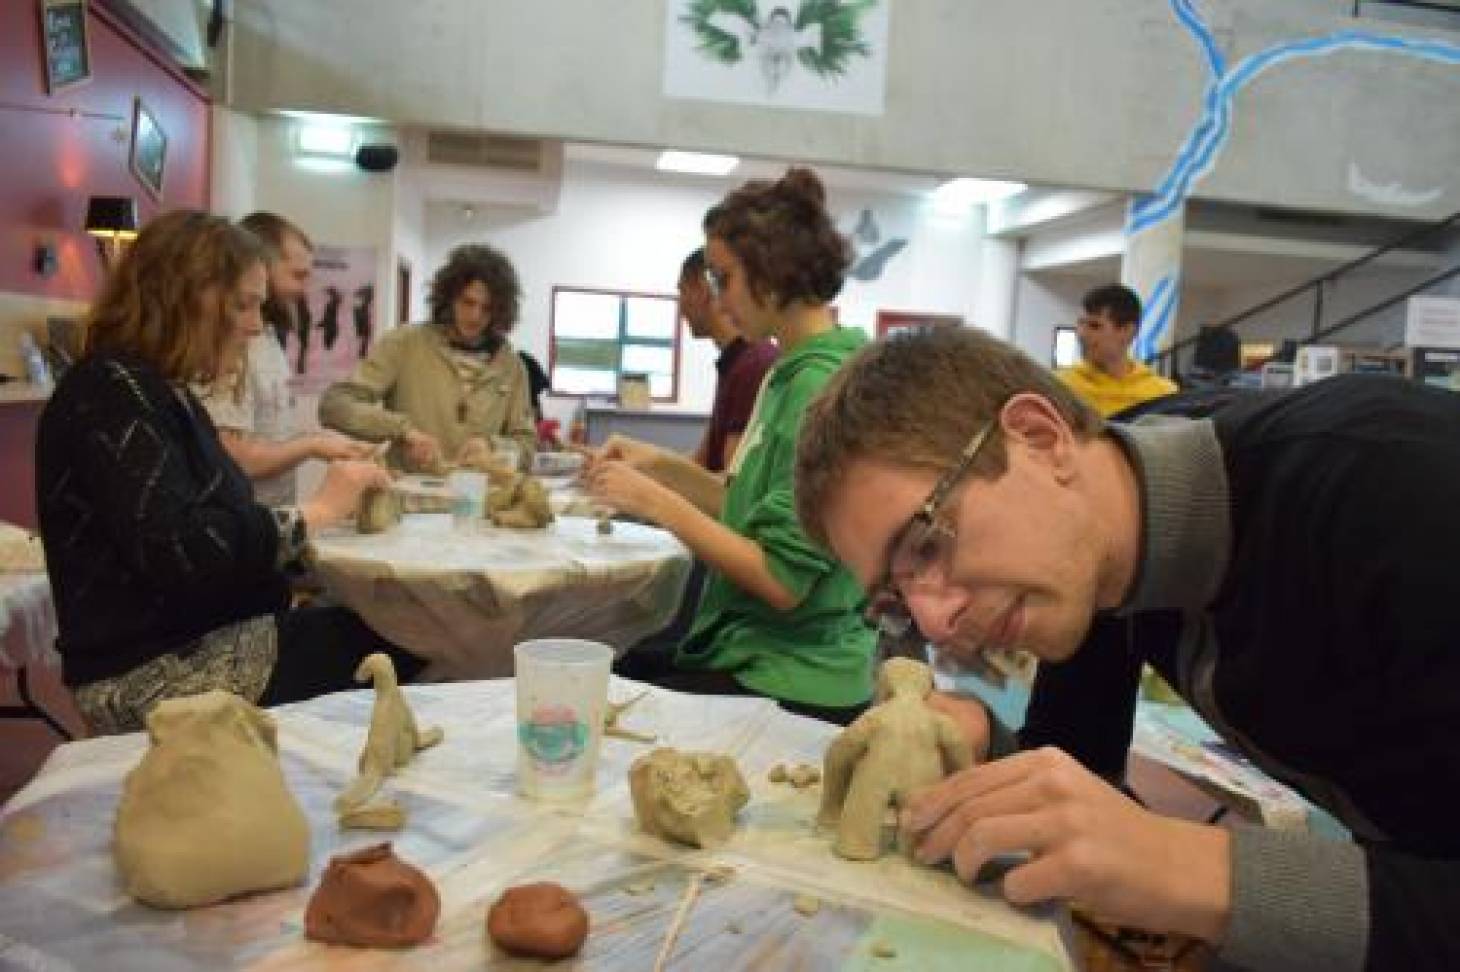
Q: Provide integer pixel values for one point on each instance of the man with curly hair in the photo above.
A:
(430, 389)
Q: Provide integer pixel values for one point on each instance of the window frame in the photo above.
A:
(623, 338)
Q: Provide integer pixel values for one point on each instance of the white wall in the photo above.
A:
(629, 229)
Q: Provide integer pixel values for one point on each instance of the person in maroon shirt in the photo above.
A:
(741, 365)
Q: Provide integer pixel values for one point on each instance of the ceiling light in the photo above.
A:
(696, 163)
(325, 118)
(335, 141)
(958, 194)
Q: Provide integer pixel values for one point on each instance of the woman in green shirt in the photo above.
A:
(779, 616)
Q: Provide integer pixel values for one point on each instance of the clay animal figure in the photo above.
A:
(206, 815)
(519, 502)
(391, 742)
(897, 746)
(689, 797)
(372, 898)
(541, 920)
(380, 509)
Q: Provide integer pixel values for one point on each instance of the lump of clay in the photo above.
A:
(689, 797)
(380, 509)
(206, 814)
(372, 898)
(519, 502)
(897, 746)
(538, 920)
(391, 742)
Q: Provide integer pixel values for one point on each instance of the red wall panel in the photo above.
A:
(56, 150)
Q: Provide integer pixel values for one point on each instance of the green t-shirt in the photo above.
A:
(820, 652)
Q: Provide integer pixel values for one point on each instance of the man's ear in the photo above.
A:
(1032, 424)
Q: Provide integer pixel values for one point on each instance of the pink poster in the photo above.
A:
(335, 322)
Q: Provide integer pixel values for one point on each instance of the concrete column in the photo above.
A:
(1152, 268)
(998, 281)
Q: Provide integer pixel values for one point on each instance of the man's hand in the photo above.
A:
(621, 448)
(1086, 842)
(332, 447)
(422, 451)
(615, 483)
(972, 718)
(338, 496)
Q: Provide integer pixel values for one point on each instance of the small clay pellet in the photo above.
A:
(639, 887)
(777, 773)
(883, 950)
(806, 904)
(803, 776)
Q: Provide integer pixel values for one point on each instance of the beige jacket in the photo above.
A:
(414, 381)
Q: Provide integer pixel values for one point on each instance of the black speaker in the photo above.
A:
(377, 157)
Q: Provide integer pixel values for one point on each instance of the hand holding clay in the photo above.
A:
(539, 920)
(898, 746)
(689, 797)
(338, 496)
(206, 815)
(374, 899)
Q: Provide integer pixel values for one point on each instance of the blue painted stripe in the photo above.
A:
(1156, 318)
(1198, 154)
(1188, 15)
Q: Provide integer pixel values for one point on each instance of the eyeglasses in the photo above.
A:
(716, 280)
(924, 542)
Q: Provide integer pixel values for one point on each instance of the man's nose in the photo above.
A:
(936, 607)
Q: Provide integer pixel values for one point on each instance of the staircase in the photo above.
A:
(1322, 310)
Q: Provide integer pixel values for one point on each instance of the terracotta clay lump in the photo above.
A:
(897, 746)
(374, 899)
(206, 814)
(391, 742)
(541, 920)
(689, 797)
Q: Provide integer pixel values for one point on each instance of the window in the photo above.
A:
(597, 336)
(1066, 347)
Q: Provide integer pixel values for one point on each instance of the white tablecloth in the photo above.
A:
(27, 621)
(463, 598)
(62, 906)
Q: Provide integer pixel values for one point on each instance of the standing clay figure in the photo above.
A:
(392, 741)
(372, 898)
(897, 746)
(380, 509)
(519, 502)
(206, 815)
(689, 797)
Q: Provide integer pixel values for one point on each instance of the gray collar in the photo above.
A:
(1186, 521)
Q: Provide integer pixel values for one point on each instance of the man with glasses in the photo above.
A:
(1287, 564)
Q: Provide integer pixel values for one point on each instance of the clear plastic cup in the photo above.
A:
(562, 694)
(470, 502)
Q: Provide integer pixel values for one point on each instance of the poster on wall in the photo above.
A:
(334, 323)
(813, 55)
(63, 34)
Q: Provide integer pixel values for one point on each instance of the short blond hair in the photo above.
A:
(915, 399)
(165, 301)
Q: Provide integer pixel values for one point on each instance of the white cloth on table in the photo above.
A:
(462, 598)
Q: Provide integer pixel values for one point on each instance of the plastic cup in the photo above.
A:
(470, 503)
(562, 694)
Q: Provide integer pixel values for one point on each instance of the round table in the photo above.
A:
(467, 828)
(463, 597)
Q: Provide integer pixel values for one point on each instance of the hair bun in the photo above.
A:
(803, 183)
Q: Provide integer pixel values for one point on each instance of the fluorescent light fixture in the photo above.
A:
(696, 163)
(959, 194)
(333, 141)
(325, 118)
(324, 163)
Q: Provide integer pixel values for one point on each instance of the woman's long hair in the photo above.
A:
(165, 302)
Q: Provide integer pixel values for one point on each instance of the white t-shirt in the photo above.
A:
(263, 407)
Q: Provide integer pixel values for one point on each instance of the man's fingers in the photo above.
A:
(1020, 797)
(1042, 879)
(927, 807)
(991, 837)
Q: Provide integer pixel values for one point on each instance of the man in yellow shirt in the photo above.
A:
(1107, 377)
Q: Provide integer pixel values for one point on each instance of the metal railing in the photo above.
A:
(1314, 289)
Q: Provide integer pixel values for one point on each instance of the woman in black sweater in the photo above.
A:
(168, 578)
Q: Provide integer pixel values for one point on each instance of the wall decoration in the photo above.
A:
(893, 322)
(149, 149)
(331, 328)
(816, 55)
(1213, 128)
(63, 36)
(870, 252)
(1389, 193)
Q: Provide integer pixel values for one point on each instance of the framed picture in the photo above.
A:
(893, 321)
(149, 149)
(63, 35)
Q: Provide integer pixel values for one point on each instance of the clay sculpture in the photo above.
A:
(206, 814)
(689, 797)
(519, 502)
(374, 899)
(391, 742)
(897, 746)
(541, 920)
(380, 509)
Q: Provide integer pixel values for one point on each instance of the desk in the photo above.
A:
(468, 830)
(462, 598)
